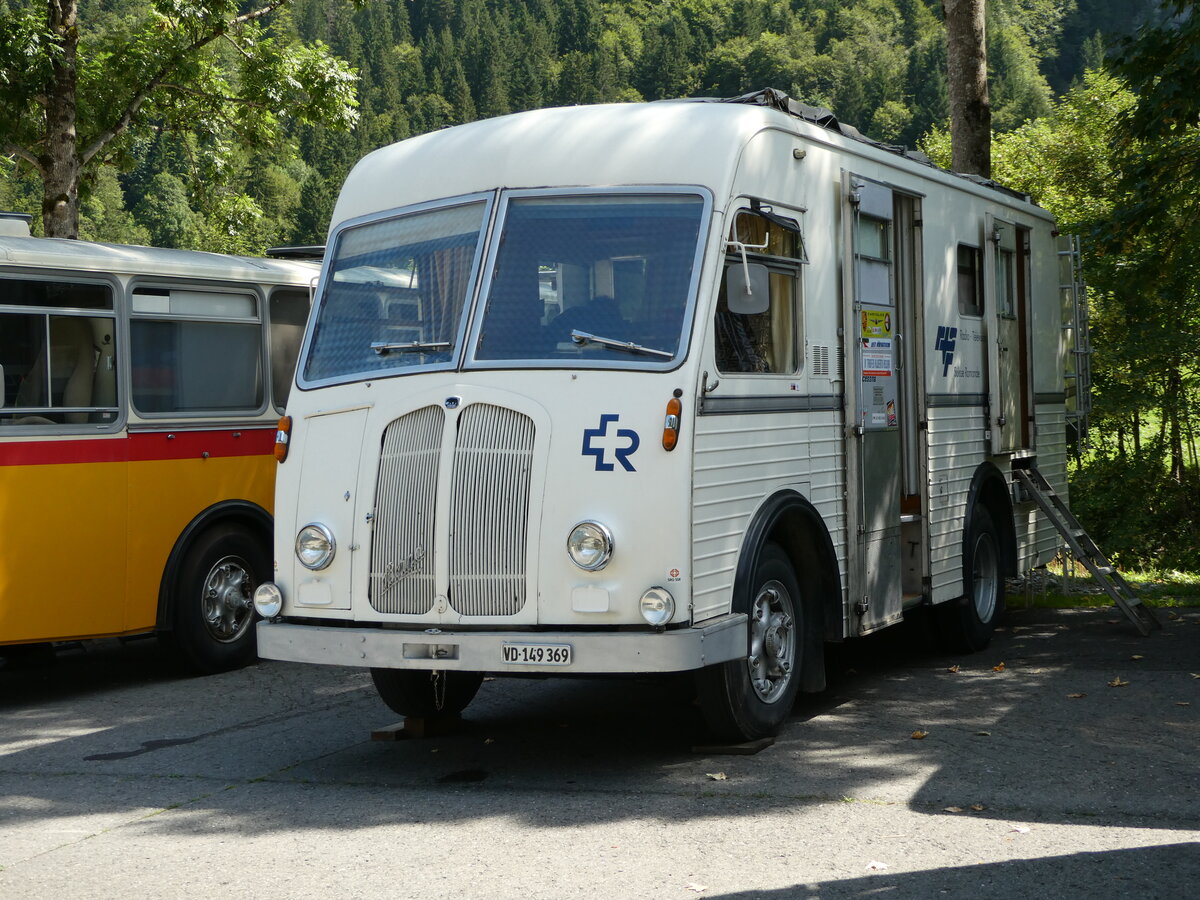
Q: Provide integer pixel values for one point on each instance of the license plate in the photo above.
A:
(536, 654)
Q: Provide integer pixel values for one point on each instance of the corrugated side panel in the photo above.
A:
(489, 527)
(827, 472)
(957, 444)
(1037, 539)
(739, 461)
(402, 536)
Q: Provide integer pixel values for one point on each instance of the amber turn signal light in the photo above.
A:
(671, 422)
(283, 437)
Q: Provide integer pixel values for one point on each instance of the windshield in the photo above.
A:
(395, 293)
(599, 278)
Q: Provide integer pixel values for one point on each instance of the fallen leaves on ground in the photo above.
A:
(920, 735)
(876, 865)
(999, 667)
(977, 807)
(1078, 696)
(717, 776)
(696, 888)
(1137, 656)
(1117, 682)
(983, 734)
(952, 809)
(1020, 829)
(953, 670)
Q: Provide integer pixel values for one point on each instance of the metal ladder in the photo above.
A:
(1085, 549)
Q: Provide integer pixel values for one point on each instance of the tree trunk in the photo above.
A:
(1173, 411)
(970, 108)
(60, 163)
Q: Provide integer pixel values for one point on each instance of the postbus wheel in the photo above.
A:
(750, 698)
(966, 624)
(213, 610)
(426, 693)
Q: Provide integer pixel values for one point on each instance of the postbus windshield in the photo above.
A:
(601, 278)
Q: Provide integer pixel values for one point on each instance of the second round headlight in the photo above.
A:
(590, 546)
(315, 546)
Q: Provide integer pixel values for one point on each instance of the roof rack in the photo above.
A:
(773, 98)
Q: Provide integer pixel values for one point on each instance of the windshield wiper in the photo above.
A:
(582, 337)
(382, 347)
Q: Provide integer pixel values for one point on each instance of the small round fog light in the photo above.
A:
(590, 545)
(315, 546)
(268, 600)
(658, 606)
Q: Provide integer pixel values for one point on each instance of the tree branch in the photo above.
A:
(184, 89)
(21, 153)
(142, 94)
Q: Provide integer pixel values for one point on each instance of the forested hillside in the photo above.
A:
(425, 64)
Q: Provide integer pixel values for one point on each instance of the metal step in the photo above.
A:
(1085, 549)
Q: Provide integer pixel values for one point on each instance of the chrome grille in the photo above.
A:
(402, 537)
(489, 520)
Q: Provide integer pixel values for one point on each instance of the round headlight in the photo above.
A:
(268, 600)
(658, 606)
(590, 546)
(315, 546)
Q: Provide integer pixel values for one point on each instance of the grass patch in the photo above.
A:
(1050, 589)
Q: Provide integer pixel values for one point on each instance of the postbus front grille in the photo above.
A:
(402, 529)
(489, 478)
(490, 511)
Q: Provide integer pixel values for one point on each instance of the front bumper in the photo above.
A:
(611, 652)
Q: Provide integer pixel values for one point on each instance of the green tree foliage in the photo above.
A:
(425, 64)
(80, 80)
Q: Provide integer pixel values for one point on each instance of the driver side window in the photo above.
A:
(763, 342)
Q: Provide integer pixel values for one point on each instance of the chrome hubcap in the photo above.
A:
(985, 577)
(228, 599)
(772, 642)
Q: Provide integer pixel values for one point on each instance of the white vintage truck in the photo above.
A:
(686, 385)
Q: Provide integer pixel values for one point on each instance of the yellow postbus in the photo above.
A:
(139, 393)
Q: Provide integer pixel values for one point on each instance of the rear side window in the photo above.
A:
(196, 352)
(970, 280)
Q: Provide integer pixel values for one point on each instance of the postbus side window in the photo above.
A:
(764, 342)
(57, 353)
(289, 312)
(195, 351)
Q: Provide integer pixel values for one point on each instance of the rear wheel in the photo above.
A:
(750, 698)
(213, 610)
(966, 624)
(425, 693)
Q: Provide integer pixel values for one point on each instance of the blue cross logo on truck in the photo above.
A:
(946, 339)
(600, 442)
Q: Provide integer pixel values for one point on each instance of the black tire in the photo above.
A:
(750, 698)
(426, 693)
(966, 625)
(212, 609)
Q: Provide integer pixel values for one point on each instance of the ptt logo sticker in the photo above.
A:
(946, 338)
(610, 445)
(674, 575)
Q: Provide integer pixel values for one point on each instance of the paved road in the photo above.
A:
(118, 778)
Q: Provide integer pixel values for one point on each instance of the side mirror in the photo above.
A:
(748, 288)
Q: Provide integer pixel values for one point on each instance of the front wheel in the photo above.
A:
(966, 624)
(747, 699)
(425, 693)
(213, 609)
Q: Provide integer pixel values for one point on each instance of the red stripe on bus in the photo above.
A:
(140, 447)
